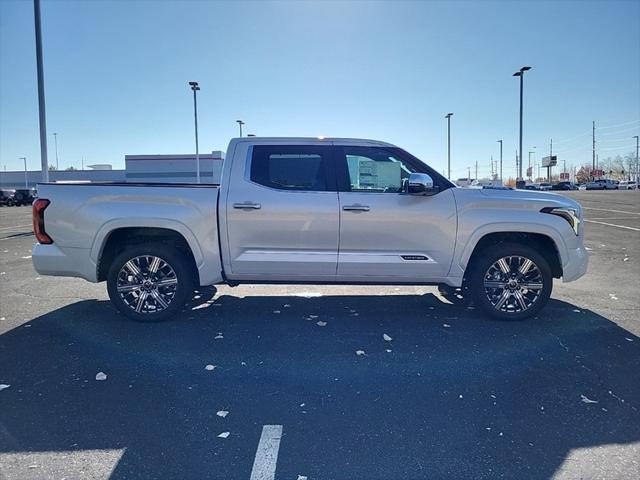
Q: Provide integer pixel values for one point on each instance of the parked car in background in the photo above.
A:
(627, 185)
(564, 186)
(7, 197)
(538, 186)
(582, 186)
(602, 184)
(487, 182)
(309, 210)
(24, 196)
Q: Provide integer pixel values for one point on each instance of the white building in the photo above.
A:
(173, 168)
(101, 166)
(138, 168)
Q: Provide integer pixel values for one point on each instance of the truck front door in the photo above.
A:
(387, 235)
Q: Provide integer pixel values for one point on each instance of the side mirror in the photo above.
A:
(421, 184)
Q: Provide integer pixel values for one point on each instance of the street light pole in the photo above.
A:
(195, 88)
(41, 105)
(637, 164)
(240, 124)
(528, 169)
(448, 117)
(55, 138)
(500, 142)
(520, 73)
(26, 182)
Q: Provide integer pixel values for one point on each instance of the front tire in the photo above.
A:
(150, 283)
(510, 281)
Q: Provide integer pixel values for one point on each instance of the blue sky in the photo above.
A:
(116, 76)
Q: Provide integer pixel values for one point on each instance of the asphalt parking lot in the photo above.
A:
(451, 395)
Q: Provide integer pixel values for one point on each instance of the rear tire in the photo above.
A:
(510, 281)
(150, 283)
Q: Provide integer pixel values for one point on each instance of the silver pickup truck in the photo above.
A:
(310, 210)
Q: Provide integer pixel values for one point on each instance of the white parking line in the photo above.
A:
(16, 226)
(607, 210)
(609, 218)
(613, 225)
(264, 465)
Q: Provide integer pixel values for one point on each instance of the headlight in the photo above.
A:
(571, 215)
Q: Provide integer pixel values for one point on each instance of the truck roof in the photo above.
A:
(334, 140)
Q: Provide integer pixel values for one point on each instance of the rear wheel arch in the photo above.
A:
(120, 238)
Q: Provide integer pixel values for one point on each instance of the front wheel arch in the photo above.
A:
(543, 244)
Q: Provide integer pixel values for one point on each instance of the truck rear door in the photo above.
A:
(282, 214)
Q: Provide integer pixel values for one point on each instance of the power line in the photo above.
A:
(630, 129)
(584, 134)
(606, 149)
(620, 124)
(570, 139)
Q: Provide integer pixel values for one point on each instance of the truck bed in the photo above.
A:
(84, 215)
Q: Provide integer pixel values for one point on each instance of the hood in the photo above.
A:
(525, 199)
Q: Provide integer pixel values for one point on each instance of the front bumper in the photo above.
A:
(576, 264)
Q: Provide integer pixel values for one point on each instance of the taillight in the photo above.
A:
(38, 221)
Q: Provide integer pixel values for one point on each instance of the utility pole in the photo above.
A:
(469, 174)
(41, 105)
(240, 124)
(195, 88)
(448, 117)
(529, 168)
(500, 142)
(593, 160)
(55, 138)
(637, 164)
(26, 183)
(476, 170)
(550, 159)
(517, 167)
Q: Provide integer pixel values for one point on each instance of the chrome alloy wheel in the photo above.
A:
(147, 284)
(513, 284)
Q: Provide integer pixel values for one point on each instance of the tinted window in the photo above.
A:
(290, 167)
(375, 169)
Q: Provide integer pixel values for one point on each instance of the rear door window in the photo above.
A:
(291, 167)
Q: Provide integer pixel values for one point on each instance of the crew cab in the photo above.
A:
(310, 210)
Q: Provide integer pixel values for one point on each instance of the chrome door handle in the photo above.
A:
(356, 208)
(247, 206)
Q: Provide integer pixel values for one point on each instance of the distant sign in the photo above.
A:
(564, 176)
(597, 173)
(529, 171)
(550, 161)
